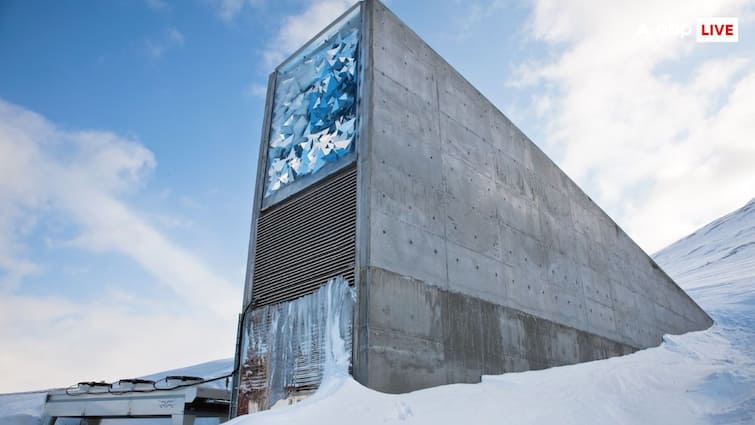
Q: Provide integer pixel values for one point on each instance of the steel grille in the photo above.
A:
(306, 240)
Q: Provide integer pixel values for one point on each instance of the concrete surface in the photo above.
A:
(477, 254)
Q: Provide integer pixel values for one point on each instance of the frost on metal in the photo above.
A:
(314, 106)
(288, 349)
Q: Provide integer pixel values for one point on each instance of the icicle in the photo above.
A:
(292, 347)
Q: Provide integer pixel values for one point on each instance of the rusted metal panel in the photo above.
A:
(289, 347)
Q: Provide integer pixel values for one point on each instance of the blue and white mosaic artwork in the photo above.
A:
(314, 109)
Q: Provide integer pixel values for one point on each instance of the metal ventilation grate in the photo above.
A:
(306, 240)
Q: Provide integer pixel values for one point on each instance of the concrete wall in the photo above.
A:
(477, 255)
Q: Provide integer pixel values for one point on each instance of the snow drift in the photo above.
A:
(703, 377)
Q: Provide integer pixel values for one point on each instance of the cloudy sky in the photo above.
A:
(129, 132)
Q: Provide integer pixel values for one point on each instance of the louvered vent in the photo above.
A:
(306, 240)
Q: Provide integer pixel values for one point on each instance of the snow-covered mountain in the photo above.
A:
(716, 264)
(703, 377)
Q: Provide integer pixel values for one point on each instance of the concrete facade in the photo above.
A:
(473, 252)
(477, 254)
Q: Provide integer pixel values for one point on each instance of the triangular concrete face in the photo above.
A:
(480, 255)
(466, 249)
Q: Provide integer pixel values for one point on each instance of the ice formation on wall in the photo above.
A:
(314, 108)
(289, 348)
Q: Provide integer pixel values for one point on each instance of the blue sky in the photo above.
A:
(129, 133)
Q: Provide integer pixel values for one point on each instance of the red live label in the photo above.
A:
(717, 30)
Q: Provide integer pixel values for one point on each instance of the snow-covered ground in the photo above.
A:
(21, 408)
(208, 370)
(703, 377)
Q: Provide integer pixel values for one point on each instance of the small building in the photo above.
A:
(453, 245)
(133, 402)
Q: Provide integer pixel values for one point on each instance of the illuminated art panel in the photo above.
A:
(314, 107)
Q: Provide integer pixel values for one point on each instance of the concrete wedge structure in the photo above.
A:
(466, 250)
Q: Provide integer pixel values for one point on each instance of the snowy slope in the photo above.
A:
(716, 264)
(21, 408)
(208, 370)
(699, 378)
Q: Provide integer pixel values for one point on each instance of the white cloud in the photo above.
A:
(256, 89)
(472, 14)
(156, 47)
(651, 124)
(295, 30)
(228, 10)
(52, 342)
(81, 178)
(158, 5)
